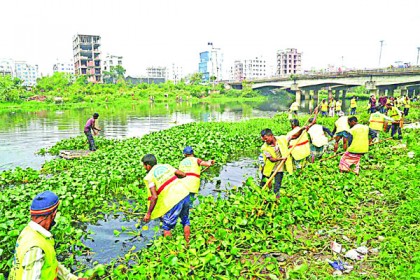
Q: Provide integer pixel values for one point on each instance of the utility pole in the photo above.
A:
(418, 51)
(380, 52)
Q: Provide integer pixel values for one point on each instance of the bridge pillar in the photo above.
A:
(411, 92)
(344, 94)
(330, 93)
(381, 91)
(337, 94)
(403, 91)
(298, 95)
(315, 96)
(306, 94)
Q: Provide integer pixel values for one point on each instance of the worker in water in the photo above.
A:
(331, 105)
(378, 122)
(90, 127)
(169, 197)
(406, 103)
(353, 106)
(318, 139)
(35, 256)
(341, 131)
(338, 105)
(191, 166)
(294, 109)
(358, 140)
(302, 149)
(274, 151)
(398, 121)
(324, 108)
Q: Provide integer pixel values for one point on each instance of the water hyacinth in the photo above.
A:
(247, 234)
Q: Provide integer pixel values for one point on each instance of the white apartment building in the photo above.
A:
(156, 72)
(7, 67)
(111, 61)
(289, 62)
(64, 67)
(26, 72)
(250, 69)
(175, 73)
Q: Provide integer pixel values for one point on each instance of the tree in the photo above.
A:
(196, 78)
(114, 75)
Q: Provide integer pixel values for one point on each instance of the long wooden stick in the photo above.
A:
(333, 156)
(287, 155)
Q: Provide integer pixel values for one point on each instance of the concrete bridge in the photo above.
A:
(382, 81)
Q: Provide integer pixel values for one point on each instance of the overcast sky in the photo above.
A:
(161, 32)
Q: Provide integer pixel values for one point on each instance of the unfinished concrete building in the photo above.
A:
(87, 57)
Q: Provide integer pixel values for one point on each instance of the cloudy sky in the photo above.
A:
(162, 32)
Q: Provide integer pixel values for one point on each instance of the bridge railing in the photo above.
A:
(342, 74)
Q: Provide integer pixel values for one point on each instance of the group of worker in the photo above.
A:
(289, 152)
(403, 103)
(171, 193)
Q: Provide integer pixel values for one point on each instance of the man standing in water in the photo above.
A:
(169, 197)
(192, 168)
(89, 128)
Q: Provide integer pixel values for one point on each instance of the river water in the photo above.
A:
(23, 133)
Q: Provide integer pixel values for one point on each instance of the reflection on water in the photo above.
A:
(105, 245)
(23, 133)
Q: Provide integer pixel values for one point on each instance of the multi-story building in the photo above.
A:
(250, 69)
(111, 61)
(156, 72)
(87, 57)
(289, 62)
(176, 73)
(7, 67)
(210, 65)
(64, 67)
(26, 72)
(255, 68)
(237, 71)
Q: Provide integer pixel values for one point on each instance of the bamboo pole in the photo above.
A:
(333, 156)
(288, 153)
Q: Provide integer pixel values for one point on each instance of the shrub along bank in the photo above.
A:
(249, 233)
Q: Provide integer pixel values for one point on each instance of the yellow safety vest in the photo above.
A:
(281, 142)
(360, 143)
(338, 106)
(324, 106)
(353, 103)
(332, 104)
(294, 106)
(394, 113)
(318, 137)
(170, 188)
(376, 121)
(407, 103)
(302, 149)
(190, 166)
(342, 124)
(28, 239)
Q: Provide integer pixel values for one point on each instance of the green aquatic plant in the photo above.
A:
(247, 233)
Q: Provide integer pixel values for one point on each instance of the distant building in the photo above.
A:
(26, 72)
(87, 57)
(211, 62)
(111, 61)
(238, 71)
(176, 73)
(156, 72)
(7, 67)
(64, 67)
(146, 80)
(289, 62)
